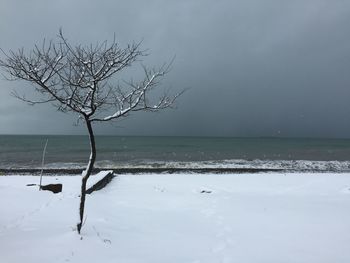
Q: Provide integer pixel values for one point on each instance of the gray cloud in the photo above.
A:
(255, 68)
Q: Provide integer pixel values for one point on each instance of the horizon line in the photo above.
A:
(189, 136)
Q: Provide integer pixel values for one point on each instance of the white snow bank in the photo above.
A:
(169, 218)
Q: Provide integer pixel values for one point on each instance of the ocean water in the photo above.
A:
(25, 151)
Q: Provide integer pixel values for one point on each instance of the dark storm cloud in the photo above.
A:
(255, 68)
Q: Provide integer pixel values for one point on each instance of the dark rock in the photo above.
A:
(55, 188)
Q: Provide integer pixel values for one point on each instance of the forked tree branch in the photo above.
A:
(82, 78)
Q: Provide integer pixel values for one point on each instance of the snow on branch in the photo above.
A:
(137, 98)
(81, 78)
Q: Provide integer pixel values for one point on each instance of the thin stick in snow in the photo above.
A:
(42, 163)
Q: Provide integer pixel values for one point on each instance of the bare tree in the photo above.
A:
(79, 79)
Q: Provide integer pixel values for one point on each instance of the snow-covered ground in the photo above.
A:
(180, 218)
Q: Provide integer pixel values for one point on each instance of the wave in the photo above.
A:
(286, 165)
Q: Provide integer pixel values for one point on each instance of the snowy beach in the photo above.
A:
(265, 217)
(175, 131)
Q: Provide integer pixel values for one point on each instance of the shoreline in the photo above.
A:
(210, 166)
(135, 170)
(164, 170)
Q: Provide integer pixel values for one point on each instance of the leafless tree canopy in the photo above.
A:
(79, 78)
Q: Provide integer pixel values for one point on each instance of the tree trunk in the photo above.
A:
(86, 173)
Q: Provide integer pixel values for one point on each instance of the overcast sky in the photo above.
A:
(254, 68)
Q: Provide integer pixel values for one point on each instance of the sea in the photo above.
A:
(113, 152)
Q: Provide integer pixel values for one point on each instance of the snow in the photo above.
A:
(195, 218)
(86, 111)
(44, 79)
